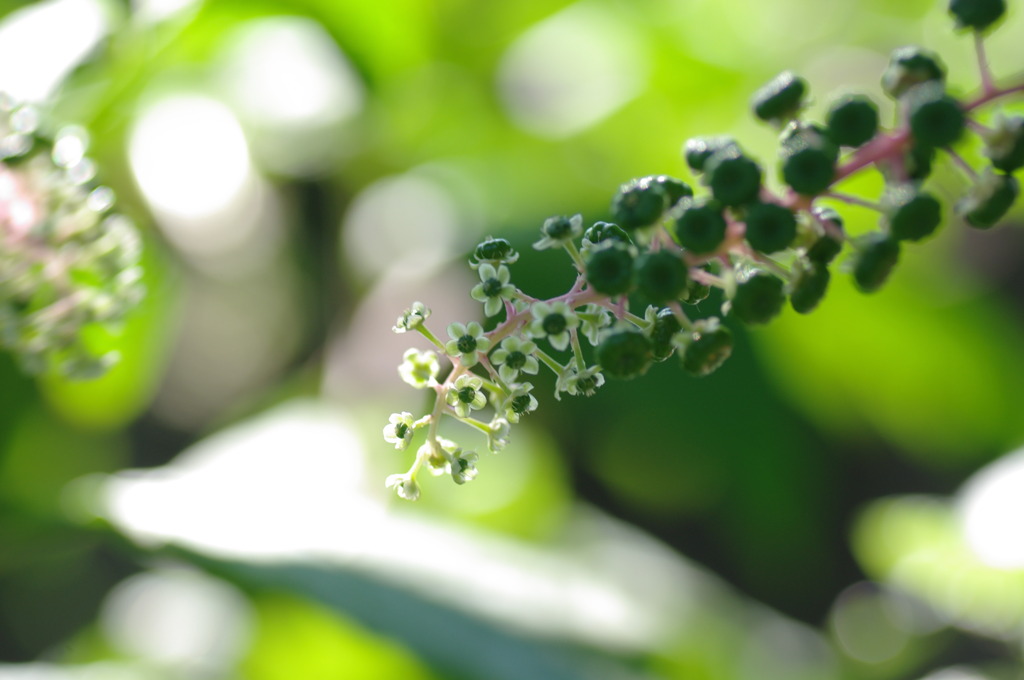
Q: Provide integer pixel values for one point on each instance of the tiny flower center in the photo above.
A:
(466, 344)
(467, 395)
(516, 360)
(492, 287)
(401, 430)
(553, 324)
(521, 404)
(587, 385)
(559, 229)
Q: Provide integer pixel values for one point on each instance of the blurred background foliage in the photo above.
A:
(836, 502)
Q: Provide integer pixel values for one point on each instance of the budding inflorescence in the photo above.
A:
(666, 247)
(67, 261)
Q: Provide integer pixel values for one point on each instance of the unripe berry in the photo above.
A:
(824, 250)
(910, 66)
(675, 189)
(758, 299)
(699, 226)
(494, 250)
(770, 227)
(624, 354)
(936, 119)
(661, 275)
(912, 214)
(699, 149)
(695, 290)
(707, 352)
(609, 269)
(976, 14)
(808, 286)
(780, 98)
(639, 204)
(808, 160)
(852, 120)
(734, 178)
(876, 257)
(606, 231)
(1005, 144)
(989, 200)
(666, 325)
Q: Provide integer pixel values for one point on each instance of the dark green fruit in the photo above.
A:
(661, 276)
(609, 269)
(936, 119)
(625, 355)
(733, 177)
(824, 250)
(977, 14)
(780, 98)
(770, 227)
(695, 290)
(876, 258)
(852, 120)
(808, 160)
(910, 66)
(758, 299)
(1005, 147)
(494, 250)
(675, 189)
(639, 204)
(606, 231)
(700, 226)
(809, 287)
(989, 200)
(699, 149)
(912, 214)
(666, 325)
(707, 352)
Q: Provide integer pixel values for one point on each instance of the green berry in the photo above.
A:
(639, 204)
(758, 299)
(557, 228)
(852, 120)
(606, 231)
(706, 352)
(936, 119)
(824, 250)
(609, 269)
(661, 276)
(695, 290)
(910, 66)
(989, 200)
(808, 160)
(625, 354)
(876, 257)
(675, 189)
(780, 98)
(976, 14)
(733, 177)
(1005, 145)
(808, 286)
(699, 226)
(495, 250)
(699, 149)
(666, 325)
(917, 164)
(912, 214)
(770, 227)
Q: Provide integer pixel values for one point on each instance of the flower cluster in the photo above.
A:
(668, 246)
(66, 260)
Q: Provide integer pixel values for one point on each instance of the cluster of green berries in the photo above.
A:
(667, 246)
(67, 261)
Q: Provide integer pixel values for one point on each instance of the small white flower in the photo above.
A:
(494, 288)
(412, 318)
(466, 395)
(593, 319)
(399, 430)
(553, 320)
(467, 341)
(519, 402)
(557, 231)
(419, 369)
(404, 485)
(515, 355)
(576, 382)
(497, 435)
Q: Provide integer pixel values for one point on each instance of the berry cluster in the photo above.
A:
(66, 260)
(668, 246)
